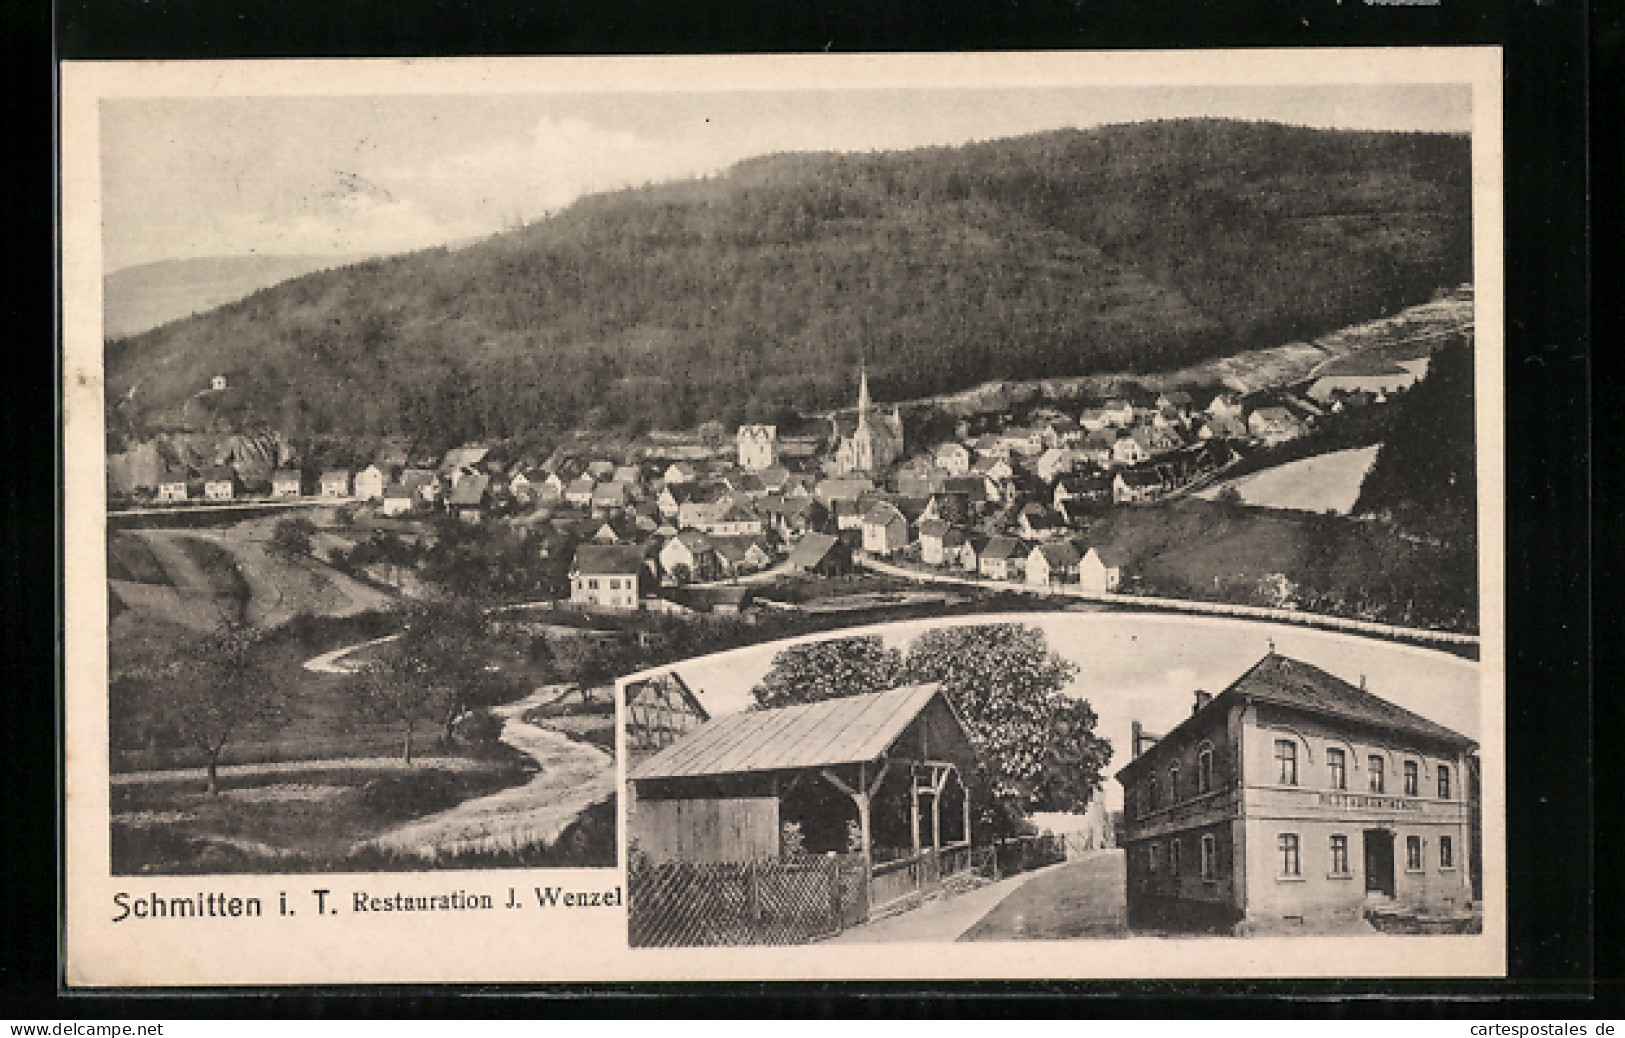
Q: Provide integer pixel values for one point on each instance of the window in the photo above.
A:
(1173, 784)
(1153, 795)
(1287, 843)
(614, 583)
(1286, 762)
(1374, 780)
(592, 584)
(1413, 852)
(1412, 779)
(1210, 858)
(1444, 782)
(1204, 772)
(1338, 768)
(1447, 853)
(1154, 859)
(1173, 857)
(1340, 855)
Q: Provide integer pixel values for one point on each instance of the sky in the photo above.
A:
(1148, 668)
(339, 176)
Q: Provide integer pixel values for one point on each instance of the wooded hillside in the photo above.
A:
(1136, 247)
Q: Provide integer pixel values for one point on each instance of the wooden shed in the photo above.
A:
(879, 776)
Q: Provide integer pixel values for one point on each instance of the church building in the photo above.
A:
(874, 443)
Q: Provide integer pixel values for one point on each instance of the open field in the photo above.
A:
(1324, 483)
(283, 822)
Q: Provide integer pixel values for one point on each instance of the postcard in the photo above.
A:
(958, 516)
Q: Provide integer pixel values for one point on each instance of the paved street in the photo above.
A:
(1086, 898)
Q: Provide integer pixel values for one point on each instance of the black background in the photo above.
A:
(1564, 931)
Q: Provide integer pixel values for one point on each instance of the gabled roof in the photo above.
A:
(812, 549)
(933, 528)
(608, 558)
(285, 476)
(850, 730)
(1059, 554)
(693, 540)
(882, 513)
(1140, 478)
(1004, 548)
(1110, 558)
(470, 490)
(334, 475)
(1292, 683)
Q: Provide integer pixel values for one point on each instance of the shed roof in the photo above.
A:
(849, 730)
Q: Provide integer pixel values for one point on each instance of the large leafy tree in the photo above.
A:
(1038, 746)
(213, 694)
(400, 691)
(815, 671)
(446, 647)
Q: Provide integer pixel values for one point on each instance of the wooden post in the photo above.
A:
(964, 799)
(914, 822)
(753, 892)
(836, 917)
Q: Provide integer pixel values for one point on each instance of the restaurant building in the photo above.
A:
(1295, 798)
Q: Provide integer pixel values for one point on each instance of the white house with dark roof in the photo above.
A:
(885, 529)
(334, 483)
(606, 576)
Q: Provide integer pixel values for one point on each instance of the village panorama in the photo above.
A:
(382, 627)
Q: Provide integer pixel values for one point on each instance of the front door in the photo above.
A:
(1379, 861)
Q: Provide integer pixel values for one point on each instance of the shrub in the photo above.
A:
(478, 728)
(410, 795)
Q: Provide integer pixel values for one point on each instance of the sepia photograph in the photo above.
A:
(933, 500)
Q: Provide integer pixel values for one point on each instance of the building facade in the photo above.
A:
(875, 443)
(758, 446)
(1294, 798)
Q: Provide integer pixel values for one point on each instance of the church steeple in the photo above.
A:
(863, 390)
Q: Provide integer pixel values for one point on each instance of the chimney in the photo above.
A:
(1362, 682)
(1203, 698)
(1134, 739)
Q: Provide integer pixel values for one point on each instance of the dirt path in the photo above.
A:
(295, 767)
(332, 661)
(574, 776)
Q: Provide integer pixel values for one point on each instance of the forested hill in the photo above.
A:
(1133, 247)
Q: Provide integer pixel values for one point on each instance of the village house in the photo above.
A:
(720, 518)
(848, 515)
(1057, 461)
(1176, 400)
(607, 496)
(1226, 405)
(335, 483)
(849, 488)
(172, 485)
(606, 576)
(1292, 801)
(1222, 427)
(1096, 448)
(579, 491)
(744, 553)
(690, 555)
(885, 529)
(369, 483)
(680, 472)
(600, 470)
(1004, 558)
(629, 476)
(792, 517)
(921, 480)
(1134, 485)
(220, 484)
(1094, 419)
(821, 554)
(1118, 412)
(952, 458)
(1274, 425)
(1129, 451)
(1035, 522)
(397, 499)
(1052, 564)
(470, 497)
(1059, 431)
(659, 711)
(466, 458)
(939, 543)
(746, 484)
(1156, 439)
(422, 482)
(1093, 486)
(951, 507)
(1099, 571)
(758, 446)
(286, 483)
(970, 552)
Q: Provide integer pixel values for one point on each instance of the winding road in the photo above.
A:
(574, 776)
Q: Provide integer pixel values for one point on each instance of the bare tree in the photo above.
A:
(399, 691)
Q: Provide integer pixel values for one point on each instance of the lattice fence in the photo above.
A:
(681, 903)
